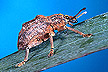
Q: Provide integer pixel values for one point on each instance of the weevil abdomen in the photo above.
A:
(32, 33)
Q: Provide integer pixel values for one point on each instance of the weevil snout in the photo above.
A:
(73, 20)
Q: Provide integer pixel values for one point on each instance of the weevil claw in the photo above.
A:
(51, 53)
(20, 64)
(87, 35)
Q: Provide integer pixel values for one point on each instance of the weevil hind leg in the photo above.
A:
(84, 35)
(25, 59)
(52, 46)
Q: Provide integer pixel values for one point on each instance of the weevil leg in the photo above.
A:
(25, 59)
(70, 24)
(52, 46)
(84, 35)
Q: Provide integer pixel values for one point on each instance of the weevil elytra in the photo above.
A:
(41, 28)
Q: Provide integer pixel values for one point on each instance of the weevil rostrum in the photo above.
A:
(41, 28)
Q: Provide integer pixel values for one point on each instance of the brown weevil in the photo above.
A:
(41, 28)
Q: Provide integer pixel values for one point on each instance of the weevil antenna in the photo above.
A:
(79, 12)
(82, 14)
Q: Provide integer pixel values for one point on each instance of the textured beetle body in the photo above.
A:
(37, 30)
(41, 28)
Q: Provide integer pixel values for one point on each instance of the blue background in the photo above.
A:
(13, 13)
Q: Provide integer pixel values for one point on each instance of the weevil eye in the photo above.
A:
(38, 39)
(66, 16)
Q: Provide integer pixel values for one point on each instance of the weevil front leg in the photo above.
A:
(70, 24)
(52, 46)
(84, 35)
(25, 59)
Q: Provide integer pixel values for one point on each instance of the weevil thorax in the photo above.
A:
(58, 21)
(33, 32)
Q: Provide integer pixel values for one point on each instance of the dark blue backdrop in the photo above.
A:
(13, 13)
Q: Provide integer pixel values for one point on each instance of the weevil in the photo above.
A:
(41, 28)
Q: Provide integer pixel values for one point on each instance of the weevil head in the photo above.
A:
(71, 19)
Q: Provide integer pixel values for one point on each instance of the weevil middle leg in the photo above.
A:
(52, 46)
